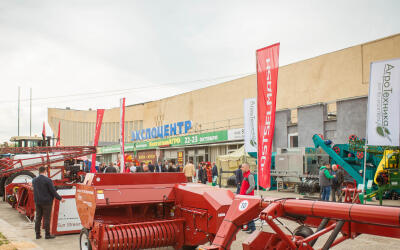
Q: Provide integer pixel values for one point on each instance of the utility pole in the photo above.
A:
(30, 113)
(19, 93)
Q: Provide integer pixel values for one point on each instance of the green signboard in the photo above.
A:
(210, 137)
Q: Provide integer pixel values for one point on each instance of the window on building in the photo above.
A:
(331, 110)
(293, 116)
(293, 140)
(233, 147)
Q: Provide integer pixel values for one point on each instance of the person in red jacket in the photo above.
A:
(247, 188)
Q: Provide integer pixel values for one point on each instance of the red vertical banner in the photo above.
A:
(58, 135)
(267, 78)
(99, 120)
(44, 131)
(122, 135)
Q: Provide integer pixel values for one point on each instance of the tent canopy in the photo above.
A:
(231, 162)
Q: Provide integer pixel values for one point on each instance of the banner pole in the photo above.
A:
(258, 176)
(122, 135)
(365, 167)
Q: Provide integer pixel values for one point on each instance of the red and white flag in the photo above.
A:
(122, 135)
(44, 131)
(99, 120)
(267, 78)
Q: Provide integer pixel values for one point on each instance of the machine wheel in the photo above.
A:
(84, 242)
(303, 231)
(20, 177)
(2, 181)
(189, 247)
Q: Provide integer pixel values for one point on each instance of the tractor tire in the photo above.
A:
(189, 247)
(84, 242)
(12, 177)
(2, 181)
(303, 231)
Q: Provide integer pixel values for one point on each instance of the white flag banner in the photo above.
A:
(384, 103)
(250, 125)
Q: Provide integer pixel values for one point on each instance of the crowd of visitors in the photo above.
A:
(205, 172)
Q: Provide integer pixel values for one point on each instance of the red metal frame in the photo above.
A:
(349, 219)
(53, 155)
(21, 198)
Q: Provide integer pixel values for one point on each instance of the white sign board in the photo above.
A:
(235, 134)
(384, 103)
(250, 125)
(68, 217)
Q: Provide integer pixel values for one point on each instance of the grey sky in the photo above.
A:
(69, 47)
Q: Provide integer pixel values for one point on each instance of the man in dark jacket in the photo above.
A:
(239, 178)
(110, 169)
(337, 183)
(214, 173)
(159, 168)
(44, 193)
(151, 167)
(203, 174)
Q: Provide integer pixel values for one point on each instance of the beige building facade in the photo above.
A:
(325, 79)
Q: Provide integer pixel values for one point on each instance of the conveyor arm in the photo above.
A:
(319, 142)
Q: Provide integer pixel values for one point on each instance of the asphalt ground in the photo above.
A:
(20, 232)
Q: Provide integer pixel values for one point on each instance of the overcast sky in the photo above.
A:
(87, 54)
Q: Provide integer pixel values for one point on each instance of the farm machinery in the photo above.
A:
(297, 168)
(382, 168)
(21, 166)
(149, 210)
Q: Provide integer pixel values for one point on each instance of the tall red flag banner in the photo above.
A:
(58, 135)
(122, 135)
(267, 78)
(99, 120)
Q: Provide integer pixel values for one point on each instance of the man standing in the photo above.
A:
(214, 173)
(247, 188)
(337, 183)
(110, 169)
(151, 167)
(239, 178)
(203, 173)
(43, 194)
(159, 168)
(140, 169)
(189, 171)
(325, 178)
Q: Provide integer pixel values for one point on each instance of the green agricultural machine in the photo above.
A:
(382, 166)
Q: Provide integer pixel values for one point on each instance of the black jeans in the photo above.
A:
(43, 211)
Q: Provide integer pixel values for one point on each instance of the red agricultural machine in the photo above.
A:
(18, 170)
(149, 210)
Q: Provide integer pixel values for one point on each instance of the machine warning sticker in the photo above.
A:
(221, 214)
(100, 196)
(243, 205)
